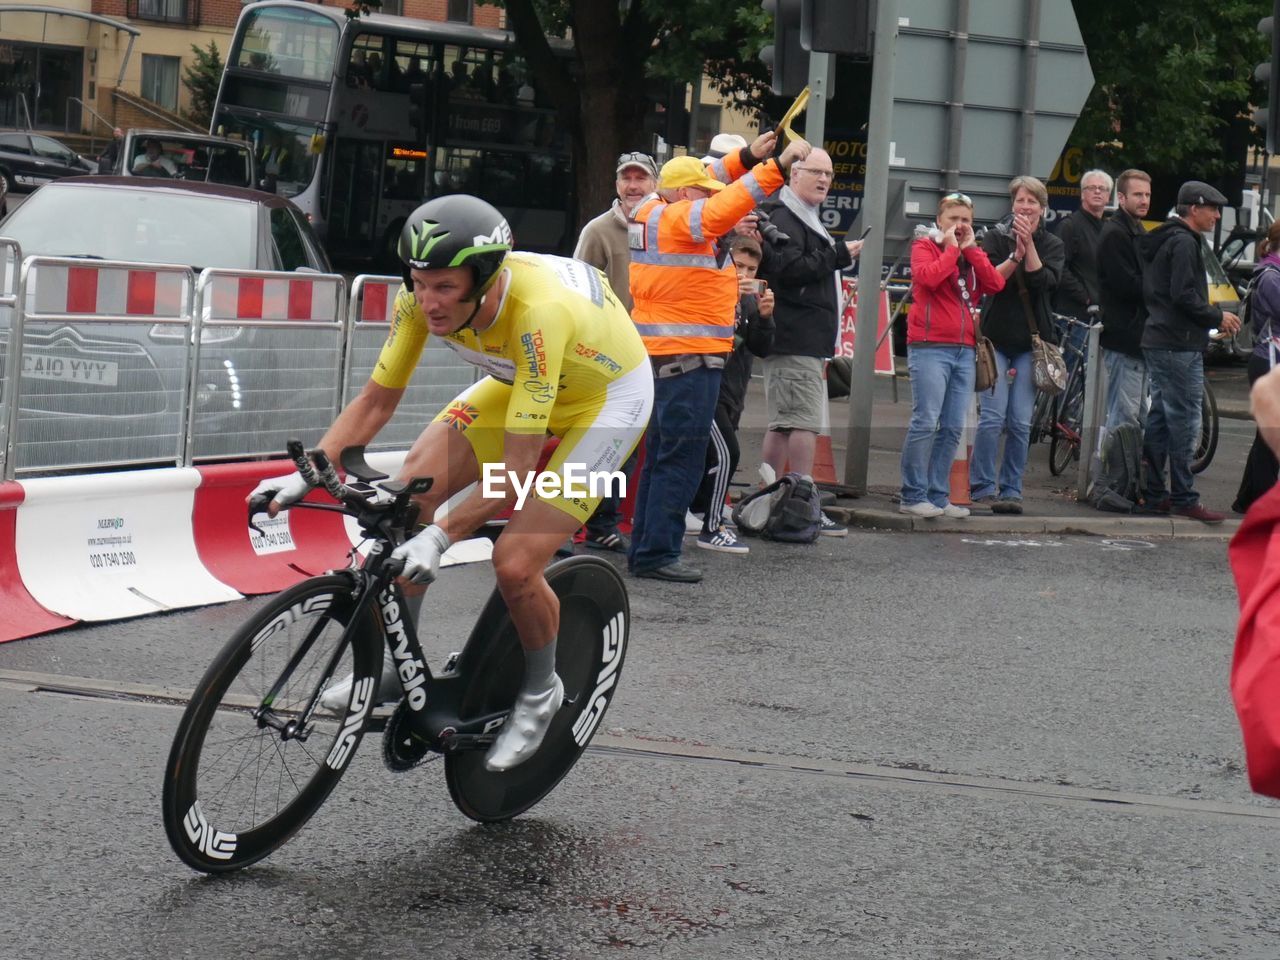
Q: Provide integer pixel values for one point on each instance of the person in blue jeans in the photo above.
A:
(950, 274)
(1029, 258)
(1179, 317)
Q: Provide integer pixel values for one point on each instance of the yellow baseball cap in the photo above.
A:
(687, 172)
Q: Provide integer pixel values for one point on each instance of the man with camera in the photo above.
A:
(802, 264)
(685, 294)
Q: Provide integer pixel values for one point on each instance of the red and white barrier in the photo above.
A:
(111, 290)
(107, 546)
(294, 545)
(228, 295)
(20, 615)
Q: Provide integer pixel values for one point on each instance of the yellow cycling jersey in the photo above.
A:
(560, 337)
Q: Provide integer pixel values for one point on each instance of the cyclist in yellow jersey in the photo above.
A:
(562, 358)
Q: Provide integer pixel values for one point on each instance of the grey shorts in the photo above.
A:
(794, 392)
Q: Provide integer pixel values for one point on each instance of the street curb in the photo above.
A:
(1234, 411)
(1101, 526)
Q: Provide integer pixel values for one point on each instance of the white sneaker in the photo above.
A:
(692, 524)
(952, 512)
(922, 509)
(525, 728)
(337, 695)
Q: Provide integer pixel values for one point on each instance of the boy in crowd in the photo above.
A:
(752, 334)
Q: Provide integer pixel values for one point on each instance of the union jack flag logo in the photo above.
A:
(460, 415)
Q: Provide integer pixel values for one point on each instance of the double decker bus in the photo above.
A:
(325, 101)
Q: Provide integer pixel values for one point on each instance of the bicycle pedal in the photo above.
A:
(451, 664)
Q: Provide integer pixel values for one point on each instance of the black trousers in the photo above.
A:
(1261, 468)
(722, 460)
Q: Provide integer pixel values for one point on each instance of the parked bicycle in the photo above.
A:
(257, 752)
(1061, 418)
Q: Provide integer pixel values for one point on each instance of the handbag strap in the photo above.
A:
(1025, 297)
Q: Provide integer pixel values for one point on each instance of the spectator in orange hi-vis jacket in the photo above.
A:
(685, 291)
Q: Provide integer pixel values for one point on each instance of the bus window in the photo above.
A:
(404, 173)
(504, 178)
(364, 69)
(286, 152)
(289, 43)
(413, 62)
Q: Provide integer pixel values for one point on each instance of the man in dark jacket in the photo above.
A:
(1120, 272)
(1179, 317)
(804, 273)
(1077, 291)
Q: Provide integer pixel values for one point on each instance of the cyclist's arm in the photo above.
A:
(361, 419)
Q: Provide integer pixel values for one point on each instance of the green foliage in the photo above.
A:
(201, 78)
(1170, 80)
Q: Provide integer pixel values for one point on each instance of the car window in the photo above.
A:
(14, 142)
(144, 226)
(315, 254)
(290, 251)
(50, 148)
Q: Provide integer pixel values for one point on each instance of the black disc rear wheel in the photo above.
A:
(595, 622)
(247, 768)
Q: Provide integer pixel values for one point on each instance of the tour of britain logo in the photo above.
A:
(460, 415)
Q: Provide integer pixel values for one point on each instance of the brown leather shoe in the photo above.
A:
(1199, 512)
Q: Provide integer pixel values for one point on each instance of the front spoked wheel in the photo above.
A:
(256, 753)
(595, 622)
(1207, 445)
(1064, 440)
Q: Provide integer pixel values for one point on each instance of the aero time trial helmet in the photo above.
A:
(456, 231)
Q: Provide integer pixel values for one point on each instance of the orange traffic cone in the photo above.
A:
(824, 463)
(959, 479)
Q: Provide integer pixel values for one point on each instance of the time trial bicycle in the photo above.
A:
(257, 752)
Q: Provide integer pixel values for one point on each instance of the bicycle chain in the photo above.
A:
(402, 749)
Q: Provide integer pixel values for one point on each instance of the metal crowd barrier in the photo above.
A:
(1094, 413)
(124, 364)
(101, 371)
(10, 266)
(439, 376)
(267, 362)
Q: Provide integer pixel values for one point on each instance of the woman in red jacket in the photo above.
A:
(950, 274)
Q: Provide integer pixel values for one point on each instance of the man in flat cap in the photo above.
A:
(1179, 317)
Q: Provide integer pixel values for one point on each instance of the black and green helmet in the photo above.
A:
(456, 231)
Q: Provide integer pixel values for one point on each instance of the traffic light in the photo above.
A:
(420, 110)
(838, 26)
(788, 61)
(1268, 73)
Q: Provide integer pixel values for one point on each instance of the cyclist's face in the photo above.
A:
(440, 294)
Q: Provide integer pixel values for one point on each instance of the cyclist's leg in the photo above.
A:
(597, 437)
(447, 451)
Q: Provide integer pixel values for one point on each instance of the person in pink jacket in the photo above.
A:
(950, 274)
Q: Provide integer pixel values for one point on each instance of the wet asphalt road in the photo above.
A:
(887, 746)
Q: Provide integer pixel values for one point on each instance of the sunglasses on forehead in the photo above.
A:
(643, 159)
(959, 198)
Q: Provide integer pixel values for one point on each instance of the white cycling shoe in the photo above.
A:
(338, 695)
(526, 726)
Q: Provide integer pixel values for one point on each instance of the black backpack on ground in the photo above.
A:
(788, 510)
(1121, 481)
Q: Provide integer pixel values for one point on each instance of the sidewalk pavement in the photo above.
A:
(1049, 503)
